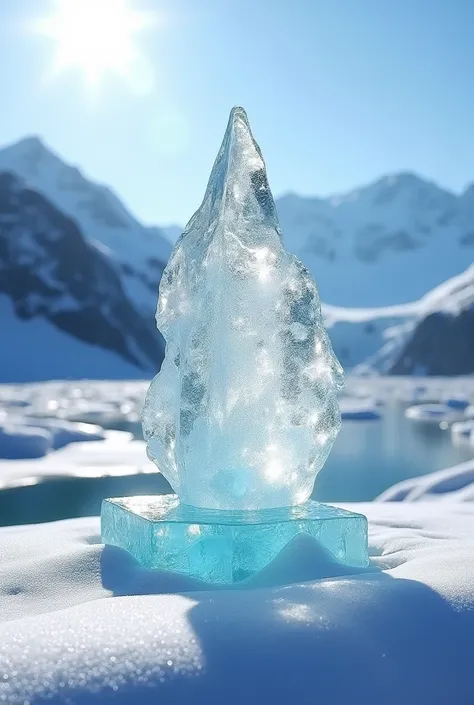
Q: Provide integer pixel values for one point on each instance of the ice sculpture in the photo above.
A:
(244, 411)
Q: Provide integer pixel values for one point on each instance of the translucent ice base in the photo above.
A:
(225, 546)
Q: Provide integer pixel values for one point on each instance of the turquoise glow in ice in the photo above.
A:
(244, 411)
(226, 546)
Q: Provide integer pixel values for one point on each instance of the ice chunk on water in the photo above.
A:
(244, 411)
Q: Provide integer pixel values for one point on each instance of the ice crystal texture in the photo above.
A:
(244, 411)
(226, 547)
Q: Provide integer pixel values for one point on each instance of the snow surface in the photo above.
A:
(21, 441)
(44, 419)
(453, 484)
(37, 350)
(28, 437)
(83, 623)
(117, 454)
(354, 409)
(463, 428)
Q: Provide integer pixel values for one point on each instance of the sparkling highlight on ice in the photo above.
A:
(244, 411)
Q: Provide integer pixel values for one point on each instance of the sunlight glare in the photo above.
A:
(96, 37)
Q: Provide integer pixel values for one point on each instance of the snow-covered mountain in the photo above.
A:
(433, 336)
(63, 309)
(141, 252)
(372, 251)
(442, 340)
(384, 244)
(359, 334)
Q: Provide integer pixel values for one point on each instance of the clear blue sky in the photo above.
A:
(338, 93)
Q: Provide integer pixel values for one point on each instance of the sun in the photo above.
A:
(96, 38)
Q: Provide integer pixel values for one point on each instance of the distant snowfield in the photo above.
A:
(37, 351)
(83, 623)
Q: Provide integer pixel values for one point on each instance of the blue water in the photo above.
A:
(367, 458)
(370, 456)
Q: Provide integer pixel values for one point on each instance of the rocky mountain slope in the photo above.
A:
(50, 271)
(441, 341)
(433, 336)
(141, 252)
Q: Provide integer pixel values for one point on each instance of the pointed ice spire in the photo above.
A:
(244, 411)
(238, 179)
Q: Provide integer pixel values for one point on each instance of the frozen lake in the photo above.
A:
(370, 456)
(72, 477)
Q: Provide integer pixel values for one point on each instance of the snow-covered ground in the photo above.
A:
(356, 409)
(453, 484)
(83, 623)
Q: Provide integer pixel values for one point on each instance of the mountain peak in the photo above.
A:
(28, 157)
(27, 146)
(98, 212)
(30, 142)
(402, 177)
(401, 181)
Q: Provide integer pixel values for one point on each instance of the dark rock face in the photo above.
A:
(49, 269)
(442, 344)
(467, 239)
(372, 241)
